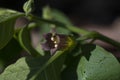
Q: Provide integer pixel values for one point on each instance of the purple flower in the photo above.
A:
(55, 42)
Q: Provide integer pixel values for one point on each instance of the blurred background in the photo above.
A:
(95, 15)
(83, 11)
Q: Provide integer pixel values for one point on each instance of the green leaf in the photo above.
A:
(28, 6)
(35, 68)
(101, 65)
(7, 22)
(52, 14)
(49, 13)
(69, 73)
(23, 69)
(9, 53)
(25, 41)
(71, 62)
(47, 64)
(40, 50)
(2, 11)
(44, 28)
(55, 67)
(60, 17)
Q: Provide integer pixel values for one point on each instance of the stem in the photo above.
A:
(70, 27)
(108, 40)
(86, 34)
(96, 35)
(77, 30)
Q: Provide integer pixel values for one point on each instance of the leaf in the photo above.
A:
(55, 67)
(69, 73)
(40, 50)
(71, 62)
(28, 6)
(48, 63)
(101, 65)
(7, 21)
(49, 13)
(54, 14)
(60, 17)
(21, 69)
(25, 41)
(10, 53)
(26, 68)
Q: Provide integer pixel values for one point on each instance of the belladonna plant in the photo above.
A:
(68, 53)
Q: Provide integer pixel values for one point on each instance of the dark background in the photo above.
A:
(90, 11)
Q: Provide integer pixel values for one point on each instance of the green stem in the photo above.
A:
(96, 35)
(86, 34)
(108, 40)
(70, 27)
(77, 30)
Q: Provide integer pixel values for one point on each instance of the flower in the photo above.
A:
(55, 42)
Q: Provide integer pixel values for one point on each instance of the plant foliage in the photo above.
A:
(74, 56)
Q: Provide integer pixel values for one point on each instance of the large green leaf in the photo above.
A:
(101, 65)
(22, 69)
(7, 22)
(42, 68)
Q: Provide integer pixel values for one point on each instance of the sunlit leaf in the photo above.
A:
(35, 69)
(101, 65)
